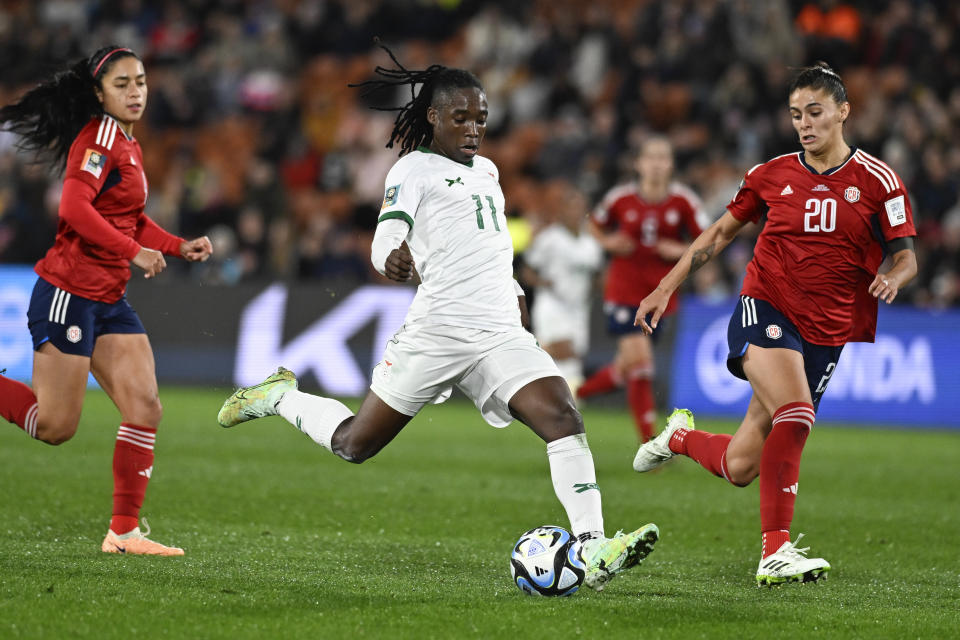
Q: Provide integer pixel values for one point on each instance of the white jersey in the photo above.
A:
(458, 238)
(561, 312)
(568, 261)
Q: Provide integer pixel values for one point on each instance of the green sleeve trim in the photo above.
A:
(399, 215)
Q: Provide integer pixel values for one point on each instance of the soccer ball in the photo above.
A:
(546, 562)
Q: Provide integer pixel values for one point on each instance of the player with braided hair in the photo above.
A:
(443, 215)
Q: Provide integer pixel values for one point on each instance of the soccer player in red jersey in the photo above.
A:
(645, 226)
(832, 214)
(82, 120)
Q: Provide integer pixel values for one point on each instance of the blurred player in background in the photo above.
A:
(79, 316)
(644, 226)
(443, 214)
(833, 213)
(561, 263)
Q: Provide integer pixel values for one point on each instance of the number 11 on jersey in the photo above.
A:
(493, 211)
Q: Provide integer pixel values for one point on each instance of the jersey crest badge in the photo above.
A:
(74, 334)
(453, 181)
(851, 194)
(93, 162)
(786, 191)
(390, 197)
(774, 331)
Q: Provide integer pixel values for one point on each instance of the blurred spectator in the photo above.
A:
(252, 130)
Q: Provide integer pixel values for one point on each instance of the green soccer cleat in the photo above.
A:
(607, 557)
(258, 400)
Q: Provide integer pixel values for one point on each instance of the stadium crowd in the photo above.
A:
(253, 137)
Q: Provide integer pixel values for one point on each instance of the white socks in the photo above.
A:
(315, 416)
(575, 483)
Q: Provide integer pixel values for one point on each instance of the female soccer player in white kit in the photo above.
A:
(562, 263)
(443, 213)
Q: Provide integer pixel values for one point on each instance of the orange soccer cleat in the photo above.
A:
(136, 543)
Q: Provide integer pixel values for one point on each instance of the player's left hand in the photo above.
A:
(196, 250)
(884, 287)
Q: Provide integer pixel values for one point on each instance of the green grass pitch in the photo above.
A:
(284, 540)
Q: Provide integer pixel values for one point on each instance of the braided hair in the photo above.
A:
(48, 117)
(820, 76)
(411, 128)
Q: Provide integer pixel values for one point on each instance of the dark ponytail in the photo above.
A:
(48, 117)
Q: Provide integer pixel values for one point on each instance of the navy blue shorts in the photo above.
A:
(72, 324)
(758, 322)
(620, 320)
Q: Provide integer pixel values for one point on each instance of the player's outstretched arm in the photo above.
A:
(708, 244)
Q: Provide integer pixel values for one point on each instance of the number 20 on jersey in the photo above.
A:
(820, 215)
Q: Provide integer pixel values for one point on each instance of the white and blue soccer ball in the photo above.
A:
(546, 562)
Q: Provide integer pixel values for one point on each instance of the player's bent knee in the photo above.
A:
(741, 473)
(353, 454)
(568, 419)
(148, 412)
(156, 410)
(56, 431)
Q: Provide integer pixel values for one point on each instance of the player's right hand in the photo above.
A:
(151, 261)
(653, 305)
(399, 265)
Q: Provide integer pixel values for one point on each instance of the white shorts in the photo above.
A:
(554, 321)
(422, 364)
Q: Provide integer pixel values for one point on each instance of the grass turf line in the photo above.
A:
(284, 540)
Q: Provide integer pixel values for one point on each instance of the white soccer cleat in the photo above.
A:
(656, 451)
(790, 564)
(258, 400)
(607, 557)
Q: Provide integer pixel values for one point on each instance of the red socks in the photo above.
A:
(640, 399)
(709, 449)
(132, 467)
(780, 470)
(639, 395)
(603, 381)
(18, 405)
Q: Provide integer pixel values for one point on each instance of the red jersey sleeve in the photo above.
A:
(152, 235)
(605, 214)
(77, 210)
(747, 206)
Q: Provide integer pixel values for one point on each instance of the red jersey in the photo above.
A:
(102, 223)
(823, 241)
(679, 216)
